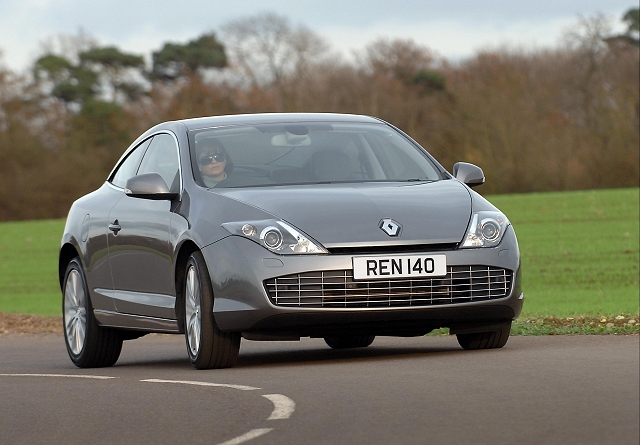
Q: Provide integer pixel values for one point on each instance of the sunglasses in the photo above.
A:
(206, 160)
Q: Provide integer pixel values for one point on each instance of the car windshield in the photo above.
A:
(306, 153)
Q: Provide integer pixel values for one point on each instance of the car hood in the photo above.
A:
(343, 215)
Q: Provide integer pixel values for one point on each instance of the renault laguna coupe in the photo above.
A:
(282, 226)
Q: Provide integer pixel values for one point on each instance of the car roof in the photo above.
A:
(268, 118)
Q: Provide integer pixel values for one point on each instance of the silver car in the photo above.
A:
(282, 226)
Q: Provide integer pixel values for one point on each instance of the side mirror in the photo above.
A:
(470, 174)
(149, 186)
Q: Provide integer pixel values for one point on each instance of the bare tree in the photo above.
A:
(267, 49)
(585, 46)
(400, 59)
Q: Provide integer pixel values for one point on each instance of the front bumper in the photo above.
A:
(239, 269)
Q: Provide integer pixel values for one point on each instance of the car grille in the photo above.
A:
(336, 288)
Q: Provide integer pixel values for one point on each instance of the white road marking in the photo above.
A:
(284, 406)
(247, 436)
(76, 376)
(191, 382)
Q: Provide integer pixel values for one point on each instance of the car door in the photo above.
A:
(140, 253)
(95, 228)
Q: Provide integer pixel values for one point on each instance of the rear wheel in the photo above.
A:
(485, 340)
(357, 341)
(89, 345)
(207, 346)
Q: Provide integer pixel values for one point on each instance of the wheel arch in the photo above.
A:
(186, 249)
(67, 253)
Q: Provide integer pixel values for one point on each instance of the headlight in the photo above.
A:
(277, 236)
(486, 230)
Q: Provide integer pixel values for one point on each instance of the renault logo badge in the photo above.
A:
(390, 227)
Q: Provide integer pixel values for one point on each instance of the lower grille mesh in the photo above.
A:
(336, 288)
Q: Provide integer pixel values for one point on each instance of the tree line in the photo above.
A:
(538, 120)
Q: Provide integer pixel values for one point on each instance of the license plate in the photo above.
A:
(399, 266)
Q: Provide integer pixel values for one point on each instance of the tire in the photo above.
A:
(485, 340)
(357, 341)
(207, 346)
(89, 345)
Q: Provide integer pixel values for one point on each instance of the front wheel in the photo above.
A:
(89, 345)
(345, 342)
(485, 340)
(208, 347)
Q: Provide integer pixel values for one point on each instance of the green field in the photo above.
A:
(579, 251)
(29, 267)
(579, 255)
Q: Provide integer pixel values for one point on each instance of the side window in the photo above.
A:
(129, 166)
(162, 158)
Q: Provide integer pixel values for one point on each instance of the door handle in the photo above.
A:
(115, 227)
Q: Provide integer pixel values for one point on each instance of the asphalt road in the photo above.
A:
(536, 390)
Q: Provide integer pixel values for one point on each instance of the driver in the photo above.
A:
(213, 161)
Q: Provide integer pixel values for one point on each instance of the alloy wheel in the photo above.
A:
(75, 312)
(193, 313)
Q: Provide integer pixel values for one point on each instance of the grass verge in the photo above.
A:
(623, 324)
(29, 324)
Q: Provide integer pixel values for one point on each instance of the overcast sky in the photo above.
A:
(453, 28)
